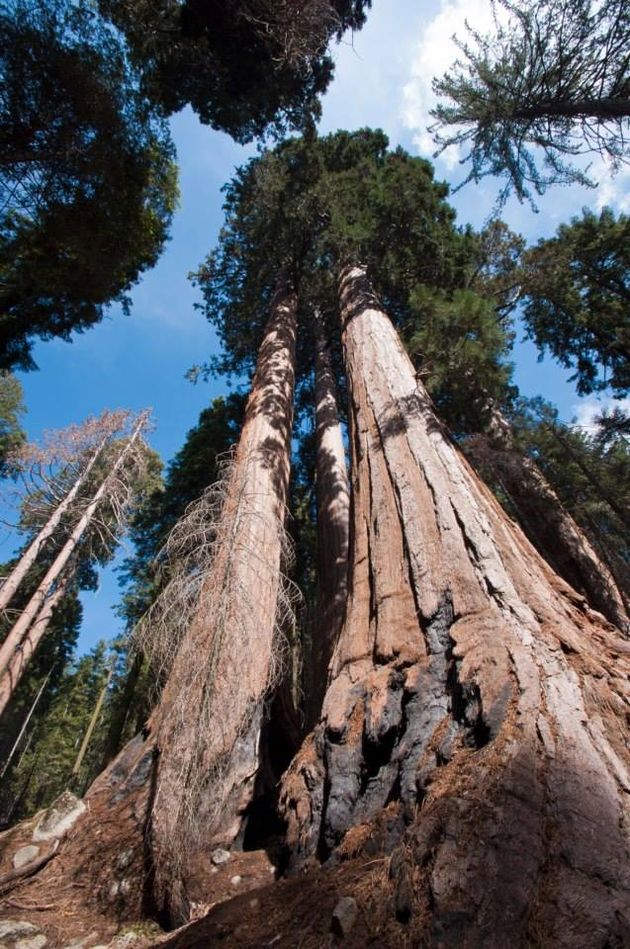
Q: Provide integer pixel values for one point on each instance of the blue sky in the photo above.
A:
(383, 79)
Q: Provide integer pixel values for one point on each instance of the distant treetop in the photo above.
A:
(245, 66)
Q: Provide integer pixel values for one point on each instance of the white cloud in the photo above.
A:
(435, 52)
(371, 66)
(586, 411)
(613, 189)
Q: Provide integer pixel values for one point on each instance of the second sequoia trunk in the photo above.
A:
(184, 785)
(474, 724)
(209, 720)
(333, 522)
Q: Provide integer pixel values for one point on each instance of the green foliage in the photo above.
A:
(56, 648)
(589, 472)
(243, 65)
(87, 178)
(552, 81)
(461, 351)
(52, 656)
(51, 744)
(305, 208)
(576, 289)
(11, 409)
(495, 266)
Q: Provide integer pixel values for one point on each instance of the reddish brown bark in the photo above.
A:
(185, 785)
(208, 723)
(475, 724)
(333, 524)
(470, 773)
(548, 524)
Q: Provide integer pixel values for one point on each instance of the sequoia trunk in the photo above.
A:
(474, 726)
(208, 723)
(333, 523)
(549, 525)
(184, 785)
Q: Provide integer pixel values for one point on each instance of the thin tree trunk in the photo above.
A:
(92, 725)
(208, 723)
(19, 797)
(122, 707)
(34, 705)
(474, 726)
(333, 524)
(20, 629)
(549, 525)
(29, 556)
(24, 653)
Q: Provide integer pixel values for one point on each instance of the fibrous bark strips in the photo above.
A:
(473, 731)
(208, 723)
(475, 722)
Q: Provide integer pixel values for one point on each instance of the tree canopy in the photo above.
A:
(307, 206)
(243, 65)
(590, 471)
(11, 409)
(576, 290)
(551, 82)
(44, 768)
(87, 177)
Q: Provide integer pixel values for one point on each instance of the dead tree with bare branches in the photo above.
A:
(112, 496)
(67, 456)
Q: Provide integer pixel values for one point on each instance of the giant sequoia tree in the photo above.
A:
(470, 746)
